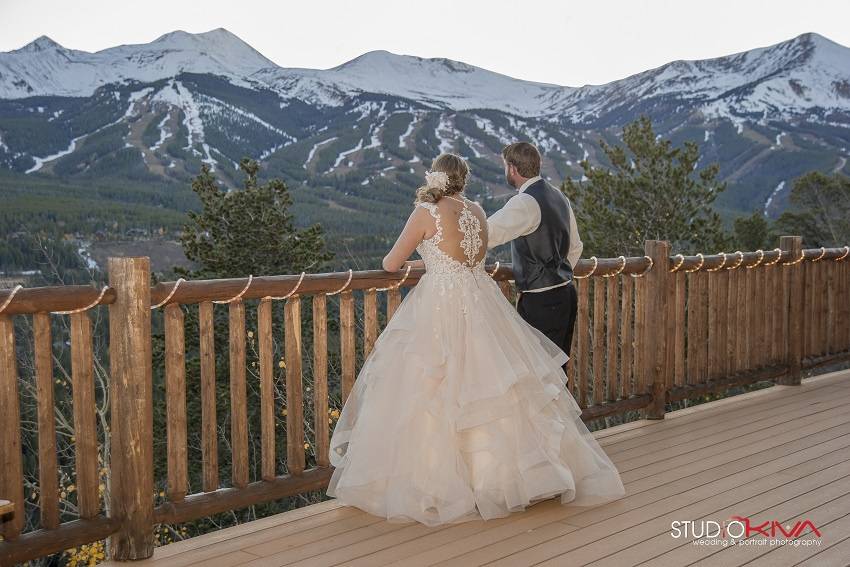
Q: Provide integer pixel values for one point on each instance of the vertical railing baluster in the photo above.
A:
(627, 347)
(209, 428)
(346, 339)
(611, 338)
(48, 478)
(265, 341)
(320, 378)
(655, 318)
(11, 463)
(295, 458)
(238, 394)
(679, 324)
(794, 308)
(85, 412)
(175, 403)
(370, 321)
(598, 394)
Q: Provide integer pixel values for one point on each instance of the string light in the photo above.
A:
(720, 267)
(822, 254)
(291, 293)
(340, 290)
(619, 271)
(798, 260)
(698, 266)
(592, 270)
(681, 258)
(846, 252)
(740, 260)
(778, 257)
(238, 295)
(646, 271)
(87, 307)
(760, 252)
(171, 293)
(6, 303)
(400, 282)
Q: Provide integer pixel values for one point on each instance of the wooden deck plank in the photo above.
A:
(735, 456)
(721, 420)
(268, 528)
(787, 396)
(285, 549)
(646, 493)
(626, 533)
(723, 432)
(824, 505)
(627, 530)
(832, 553)
(227, 560)
(778, 503)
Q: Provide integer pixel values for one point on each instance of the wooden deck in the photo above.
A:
(777, 454)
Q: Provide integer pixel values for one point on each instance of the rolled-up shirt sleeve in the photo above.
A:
(576, 245)
(519, 216)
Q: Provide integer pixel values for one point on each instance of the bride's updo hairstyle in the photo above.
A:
(447, 176)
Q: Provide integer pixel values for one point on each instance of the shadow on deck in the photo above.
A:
(782, 453)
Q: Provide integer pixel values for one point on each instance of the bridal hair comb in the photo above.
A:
(436, 180)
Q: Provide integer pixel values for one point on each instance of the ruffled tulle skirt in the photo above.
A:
(461, 412)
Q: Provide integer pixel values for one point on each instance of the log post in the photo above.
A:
(11, 458)
(131, 419)
(655, 345)
(793, 310)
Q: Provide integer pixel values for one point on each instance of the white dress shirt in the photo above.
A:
(521, 216)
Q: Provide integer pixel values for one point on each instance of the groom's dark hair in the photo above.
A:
(524, 157)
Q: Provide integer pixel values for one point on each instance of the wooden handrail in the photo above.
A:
(651, 330)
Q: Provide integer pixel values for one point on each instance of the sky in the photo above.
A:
(562, 42)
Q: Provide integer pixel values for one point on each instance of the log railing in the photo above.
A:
(650, 330)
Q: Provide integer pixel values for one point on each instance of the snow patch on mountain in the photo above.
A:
(163, 133)
(773, 196)
(346, 153)
(406, 134)
(315, 147)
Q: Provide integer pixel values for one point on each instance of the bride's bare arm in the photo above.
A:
(410, 237)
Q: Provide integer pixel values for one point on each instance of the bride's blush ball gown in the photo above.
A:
(461, 411)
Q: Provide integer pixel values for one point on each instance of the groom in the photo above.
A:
(540, 225)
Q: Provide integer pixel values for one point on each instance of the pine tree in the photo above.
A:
(752, 232)
(249, 231)
(651, 191)
(820, 210)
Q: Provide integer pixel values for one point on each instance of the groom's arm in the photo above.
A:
(519, 216)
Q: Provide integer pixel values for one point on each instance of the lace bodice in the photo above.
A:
(443, 265)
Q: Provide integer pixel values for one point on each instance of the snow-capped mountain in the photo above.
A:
(808, 73)
(158, 110)
(441, 83)
(45, 68)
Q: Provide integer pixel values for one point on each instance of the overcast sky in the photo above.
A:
(564, 42)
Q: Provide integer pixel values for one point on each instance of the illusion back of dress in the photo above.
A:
(460, 241)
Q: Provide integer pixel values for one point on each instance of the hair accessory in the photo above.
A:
(436, 180)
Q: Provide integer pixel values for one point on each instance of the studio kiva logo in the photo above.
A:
(740, 530)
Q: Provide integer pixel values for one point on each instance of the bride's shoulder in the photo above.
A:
(426, 206)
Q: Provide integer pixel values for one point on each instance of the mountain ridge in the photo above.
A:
(445, 82)
(160, 110)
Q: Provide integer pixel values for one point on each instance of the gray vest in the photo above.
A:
(540, 258)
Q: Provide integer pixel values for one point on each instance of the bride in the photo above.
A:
(461, 412)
